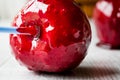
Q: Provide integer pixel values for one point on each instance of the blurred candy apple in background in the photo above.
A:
(107, 20)
(63, 40)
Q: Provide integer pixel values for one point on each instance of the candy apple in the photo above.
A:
(107, 20)
(63, 35)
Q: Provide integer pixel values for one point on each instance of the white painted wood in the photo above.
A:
(4, 44)
(9, 8)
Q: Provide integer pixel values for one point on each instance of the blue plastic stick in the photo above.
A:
(11, 30)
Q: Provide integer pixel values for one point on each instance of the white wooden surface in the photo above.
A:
(99, 64)
(9, 8)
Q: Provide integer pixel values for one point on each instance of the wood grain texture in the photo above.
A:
(99, 64)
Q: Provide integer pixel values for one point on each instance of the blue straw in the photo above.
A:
(14, 30)
(10, 30)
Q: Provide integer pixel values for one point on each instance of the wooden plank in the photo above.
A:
(4, 44)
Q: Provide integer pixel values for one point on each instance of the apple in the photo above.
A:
(63, 40)
(107, 20)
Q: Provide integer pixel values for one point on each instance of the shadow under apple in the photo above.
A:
(82, 72)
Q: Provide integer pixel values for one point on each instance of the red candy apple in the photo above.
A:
(107, 20)
(64, 36)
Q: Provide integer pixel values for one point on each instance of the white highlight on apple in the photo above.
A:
(36, 6)
(106, 8)
(49, 28)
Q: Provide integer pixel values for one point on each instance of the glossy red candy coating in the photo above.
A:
(107, 20)
(31, 30)
(64, 36)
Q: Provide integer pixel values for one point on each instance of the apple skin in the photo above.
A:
(107, 20)
(64, 38)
